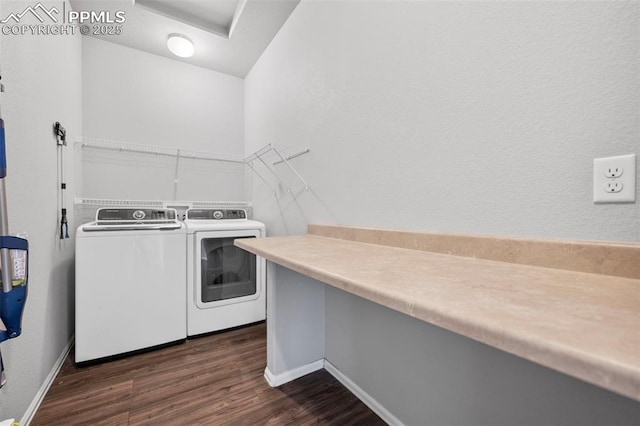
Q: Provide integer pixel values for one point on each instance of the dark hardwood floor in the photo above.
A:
(211, 380)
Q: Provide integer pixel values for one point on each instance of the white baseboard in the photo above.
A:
(367, 399)
(37, 400)
(276, 380)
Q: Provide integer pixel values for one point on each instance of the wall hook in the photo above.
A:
(61, 134)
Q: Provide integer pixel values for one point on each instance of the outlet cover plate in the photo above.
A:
(601, 166)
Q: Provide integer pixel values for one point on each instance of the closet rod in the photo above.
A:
(297, 154)
(157, 150)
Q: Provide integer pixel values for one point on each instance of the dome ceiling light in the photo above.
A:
(181, 45)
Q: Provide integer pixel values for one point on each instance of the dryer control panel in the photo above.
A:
(215, 214)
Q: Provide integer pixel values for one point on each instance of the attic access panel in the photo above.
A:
(218, 17)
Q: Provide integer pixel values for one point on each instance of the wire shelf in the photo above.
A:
(267, 157)
(104, 202)
(267, 154)
(221, 204)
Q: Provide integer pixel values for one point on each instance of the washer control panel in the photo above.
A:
(216, 214)
(135, 214)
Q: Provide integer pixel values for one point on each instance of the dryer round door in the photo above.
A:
(225, 274)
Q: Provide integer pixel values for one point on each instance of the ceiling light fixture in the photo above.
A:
(180, 45)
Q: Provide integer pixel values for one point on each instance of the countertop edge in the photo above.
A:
(597, 257)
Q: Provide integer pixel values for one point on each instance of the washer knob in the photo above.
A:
(218, 214)
(139, 215)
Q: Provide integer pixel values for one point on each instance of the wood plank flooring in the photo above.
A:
(210, 380)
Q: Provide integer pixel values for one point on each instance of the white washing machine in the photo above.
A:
(226, 285)
(130, 282)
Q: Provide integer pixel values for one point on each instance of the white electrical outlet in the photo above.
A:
(613, 186)
(613, 172)
(614, 179)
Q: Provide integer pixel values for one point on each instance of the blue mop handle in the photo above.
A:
(5, 261)
(3, 151)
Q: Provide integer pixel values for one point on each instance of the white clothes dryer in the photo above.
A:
(226, 286)
(130, 282)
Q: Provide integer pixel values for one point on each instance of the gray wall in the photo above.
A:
(42, 76)
(296, 325)
(425, 375)
(478, 117)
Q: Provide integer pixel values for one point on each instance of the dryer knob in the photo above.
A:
(218, 214)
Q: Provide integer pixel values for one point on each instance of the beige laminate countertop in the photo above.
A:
(582, 324)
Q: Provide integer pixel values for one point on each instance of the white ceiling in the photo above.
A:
(229, 35)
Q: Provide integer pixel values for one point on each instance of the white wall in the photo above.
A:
(477, 117)
(140, 98)
(42, 85)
